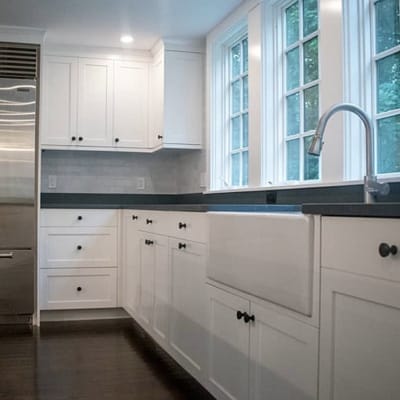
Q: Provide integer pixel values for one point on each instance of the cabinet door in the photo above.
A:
(95, 102)
(183, 103)
(284, 357)
(156, 130)
(130, 262)
(131, 89)
(228, 347)
(60, 81)
(187, 330)
(359, 344)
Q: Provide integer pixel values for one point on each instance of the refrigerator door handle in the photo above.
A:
(6, 255)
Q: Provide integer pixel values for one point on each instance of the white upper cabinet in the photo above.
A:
(95, 102)
(177, 97)
(60, 83)
(131, 92)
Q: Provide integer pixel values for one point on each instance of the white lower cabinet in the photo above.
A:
(187, 311)
(271, 357)
(360, 333)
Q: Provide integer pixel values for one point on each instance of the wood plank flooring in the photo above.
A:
(96, 360)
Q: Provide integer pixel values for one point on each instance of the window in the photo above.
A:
(301, 93)
(386, 64)
(238, 123)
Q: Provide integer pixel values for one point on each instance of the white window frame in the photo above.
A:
(360, 81)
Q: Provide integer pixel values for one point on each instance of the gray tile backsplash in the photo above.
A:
(108, 172)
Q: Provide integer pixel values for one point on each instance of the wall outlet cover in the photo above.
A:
(140, 183)
(52, 182)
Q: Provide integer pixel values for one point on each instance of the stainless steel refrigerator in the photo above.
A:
(18, 126)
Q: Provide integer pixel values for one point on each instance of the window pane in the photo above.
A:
(245, 93)
(311, 60)
(310, 16)
(292, 160)
(292, 69)
(245, 121)
(245, 55)
(311, 108)
(293, 114)
(387, 24)
(292, 24)
(235, 133)
(388, 145)
(388, 82)
(235, 178)
(245, 160)
(236, 96)
(311, 163)
(235, 60)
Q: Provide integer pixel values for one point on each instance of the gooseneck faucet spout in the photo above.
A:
(371, 186)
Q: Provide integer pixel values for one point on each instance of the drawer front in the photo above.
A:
(62, 289)
(155, 222)
(70, 247)
(189, 226)
(352, 244)
(78, 218)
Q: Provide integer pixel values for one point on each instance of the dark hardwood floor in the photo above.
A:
(96, 360)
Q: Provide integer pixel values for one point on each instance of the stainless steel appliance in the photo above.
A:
(18, 123)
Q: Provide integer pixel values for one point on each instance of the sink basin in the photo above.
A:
(268, 255)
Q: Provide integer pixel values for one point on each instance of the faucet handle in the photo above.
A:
(373, 186)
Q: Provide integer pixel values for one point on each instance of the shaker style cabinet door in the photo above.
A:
(131, 92)
(95, 103)
(60, 82)
(359, 343)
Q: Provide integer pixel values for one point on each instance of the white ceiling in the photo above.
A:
(101, 22)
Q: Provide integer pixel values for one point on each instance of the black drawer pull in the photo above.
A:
(159, 137)
(248, 318)
(386, 250)
(73, 138)
(149, 221)
(240, 314)
(182, 225)
(80, 217)
(135, 217)
(79, 247)
(80, 138)
(181, 246)
(79, 289)
(148, 242)
(116, 140)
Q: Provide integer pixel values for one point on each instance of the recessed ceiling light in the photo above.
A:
(126, 39)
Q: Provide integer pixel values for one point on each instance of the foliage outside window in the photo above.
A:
(387, 76)
(301, 88)
(238, 113)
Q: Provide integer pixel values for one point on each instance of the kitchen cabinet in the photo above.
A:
(256, 352)
(360, 309)
(187, 310)
(60, 87)
(131, 98)
(78, 265)
(95, 102)
(177, 97)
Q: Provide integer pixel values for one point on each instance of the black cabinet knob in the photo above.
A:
(148, 242)
(135, 217)
(73, 138)
(79, 247)
(386, 250)
(159, 137)
(240, 314)
(79, 289)
(149, 221)
(80, 138)
(182, 225)
(116, 140)
(80, 217)
(181, 246)
(247, 318)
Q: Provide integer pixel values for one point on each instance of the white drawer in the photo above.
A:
(72, 247)
(352, 244)
(78, 218)
(153, 221)
(189, 226)
(78, 288)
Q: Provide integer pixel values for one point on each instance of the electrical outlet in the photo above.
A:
(140, 183)
(52, 181)
(203, 180)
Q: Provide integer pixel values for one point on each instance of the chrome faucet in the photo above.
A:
(371, 186)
